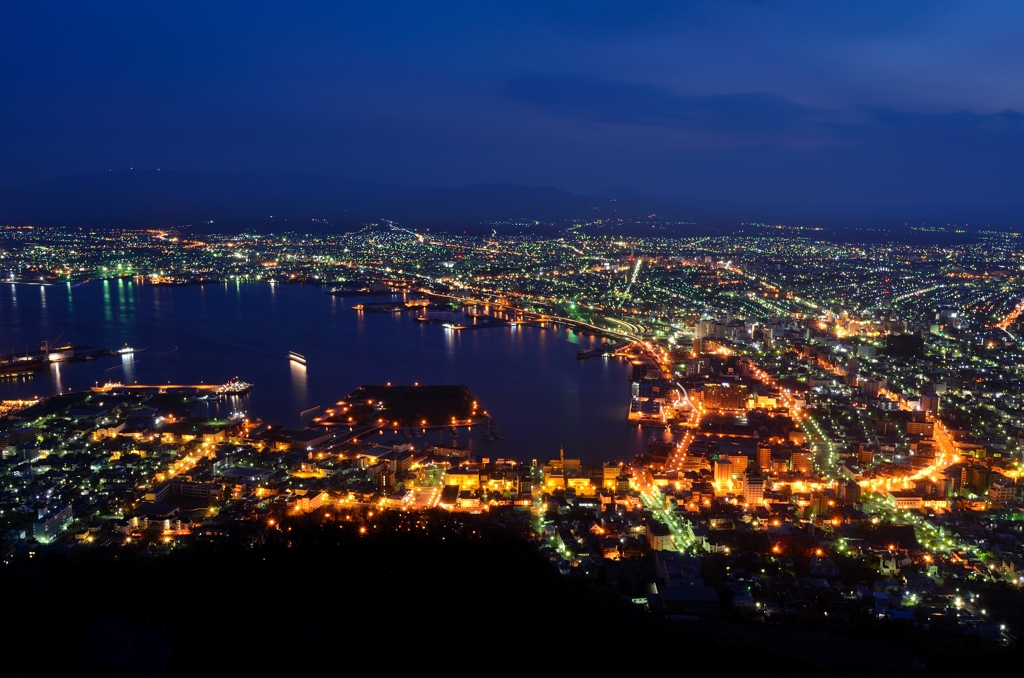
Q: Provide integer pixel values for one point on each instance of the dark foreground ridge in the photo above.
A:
(317, 592)
(341, 589)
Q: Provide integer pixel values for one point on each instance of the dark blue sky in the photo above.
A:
(793, 102)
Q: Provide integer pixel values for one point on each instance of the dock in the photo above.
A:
(233, 387)
(481, 324)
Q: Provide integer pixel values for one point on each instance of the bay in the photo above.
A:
(527, 378)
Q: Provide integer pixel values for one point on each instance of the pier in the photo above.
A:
(233, 387)
(537, 319)
(482, 323)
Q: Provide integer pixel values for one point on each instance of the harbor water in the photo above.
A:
(527, 378)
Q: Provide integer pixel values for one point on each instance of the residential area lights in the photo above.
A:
(805, 399)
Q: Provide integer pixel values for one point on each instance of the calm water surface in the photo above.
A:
(527, 378)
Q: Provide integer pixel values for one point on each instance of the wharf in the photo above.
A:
(30, 361)
(539, 319)
(382, 308)
(230, 388)
(481, 323)
(76, 352)
(602, 350)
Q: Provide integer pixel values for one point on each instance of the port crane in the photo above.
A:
(47, 345)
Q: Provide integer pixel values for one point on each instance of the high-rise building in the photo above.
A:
(609, 474)
(723, 473)
(52, 521)
(821, 504)
(850, 492)
(1000, 493)
(699, 365)
(764, 456)
(726, 396)
(740, 462)
(921, 428)
(871, 387)
(704, 328)
(753, 488)
(801, 461)
(977, 478)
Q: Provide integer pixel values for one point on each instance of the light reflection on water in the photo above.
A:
(527, 378)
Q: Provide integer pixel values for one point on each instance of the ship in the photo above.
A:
(380, 308)
(24, 366)
(128, 350)
(234, 387)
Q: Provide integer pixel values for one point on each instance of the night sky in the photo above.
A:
(859, 103)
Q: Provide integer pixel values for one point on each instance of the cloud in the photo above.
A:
(748, 118)
(756, 118)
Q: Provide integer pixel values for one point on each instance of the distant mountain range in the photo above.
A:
(135, 198)
(302, 202)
